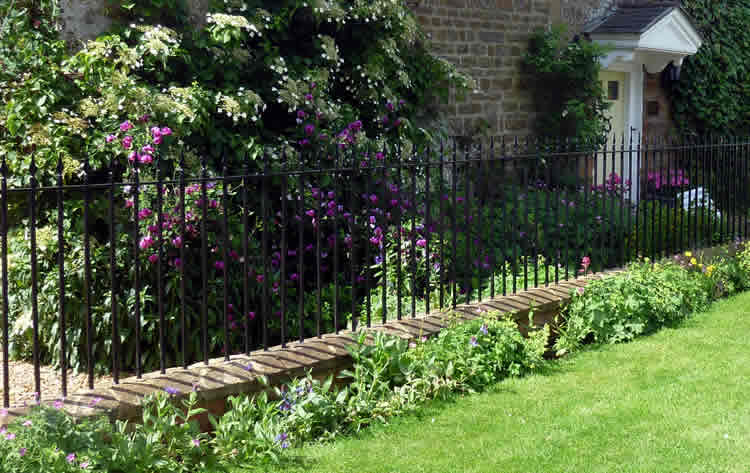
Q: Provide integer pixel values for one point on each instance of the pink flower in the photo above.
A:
(144, 213)
(177, 242)
(71, 457)
(22, 451)
(132, 156)
(166, 131)
(127, 142)
(110, 138)
(125, 126)
(196, 442)
(145, 159)
(155, 131)
(10, 436)
(421, 243)
(27, 423)
(147, 149)
(128, 203)
(157, 140)
(219, 265)
(177, 262)
(95, 401)
(146, 242)
(153, 258)
(57, 404)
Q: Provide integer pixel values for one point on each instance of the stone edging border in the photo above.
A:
(220, 379)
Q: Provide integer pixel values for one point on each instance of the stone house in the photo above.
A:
(487, 39)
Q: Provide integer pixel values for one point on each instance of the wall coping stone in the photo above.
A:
(220, 379)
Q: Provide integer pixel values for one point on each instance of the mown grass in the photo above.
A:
(676, 401)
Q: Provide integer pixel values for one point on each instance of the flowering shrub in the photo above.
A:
(648, 296)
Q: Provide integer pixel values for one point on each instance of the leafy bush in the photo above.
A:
(620, 308)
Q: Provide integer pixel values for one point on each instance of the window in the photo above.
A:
(613, 90)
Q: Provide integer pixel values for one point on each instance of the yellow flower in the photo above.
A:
(693, 261)
(646, 260)
(688, 254)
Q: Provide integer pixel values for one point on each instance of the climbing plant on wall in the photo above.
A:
(713, 93)
(574, 107)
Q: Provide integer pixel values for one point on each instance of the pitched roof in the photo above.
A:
(632, 19)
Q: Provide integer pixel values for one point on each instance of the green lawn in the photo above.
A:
(677, 401)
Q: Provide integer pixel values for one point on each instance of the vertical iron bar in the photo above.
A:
(454, 226)
(413, 246)
(335, 176)
(87, 271)
(441, 226)
(34, 282)
(204, 261)
(490, 237)
(61, 278)
(368, 262)
(225, 255)
(517, 220)
(284, 244)
(353, 233)
(4, 258)
(503, 219)
(113, 276)
(383, 255)
(427, 229)
(183, 236)
(467, 227)
(160, 256)
(399, 231)
(318, 227)
(245, 257)
(137, 267)
(265, 302)
(480, 236)
(301, 256)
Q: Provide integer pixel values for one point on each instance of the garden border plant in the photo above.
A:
(390, 376)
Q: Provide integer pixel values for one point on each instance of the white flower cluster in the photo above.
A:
(330, 51)
(243, 105)
(158, 41)
(237, 22)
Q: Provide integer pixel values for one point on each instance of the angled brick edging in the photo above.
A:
(327, 354)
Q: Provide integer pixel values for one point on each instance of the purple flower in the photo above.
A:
(177, 241)
(95, 401)
(294, 276)
(171, 391)
(71, 457)
(166, 131)
(10, 436)
(309, 130)
(282, 436)
(148, 149)
(196, 442)
(310, 213)
(177, 262)
(484, 330)
(308, 97)
(373, 198)
(301, 114)
(389, 106)
(127, 142)
(22, 451)
(110, 138)
(473, 341)
(27, 423)
(259, 278)
(145, 242)
(219, 265)
(125, 126)
(153, 258)
(57, 404)
(155, 131)
(157, 140)
(144, 213)
(84, 465)
(421, 243)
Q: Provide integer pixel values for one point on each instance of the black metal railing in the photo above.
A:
(145, 266)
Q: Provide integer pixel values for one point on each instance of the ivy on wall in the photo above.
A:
(713, 93)
(574, 107)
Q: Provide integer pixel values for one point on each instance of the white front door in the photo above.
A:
(614, 85)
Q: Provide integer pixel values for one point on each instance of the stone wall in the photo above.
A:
(487, 39)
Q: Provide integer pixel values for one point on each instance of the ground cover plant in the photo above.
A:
(390, 377)
(673, 401)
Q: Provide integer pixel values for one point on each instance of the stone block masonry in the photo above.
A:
(487, 40)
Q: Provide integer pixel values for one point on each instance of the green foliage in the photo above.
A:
(660, 225)
(575, 106)
(390, 376)
(711, 95)
(648, 296)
